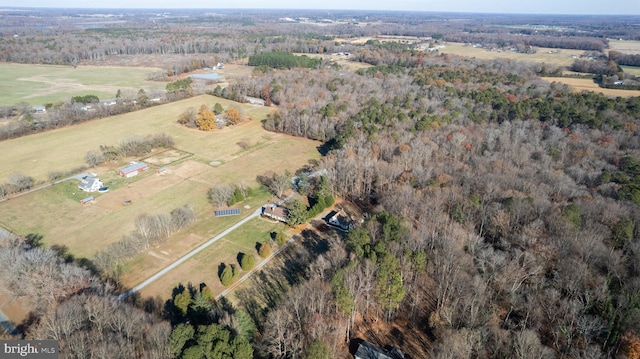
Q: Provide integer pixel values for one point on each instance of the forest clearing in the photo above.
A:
(557, 57)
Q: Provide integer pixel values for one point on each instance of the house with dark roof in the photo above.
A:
(278, 213)
(368, 350)
(341, 220)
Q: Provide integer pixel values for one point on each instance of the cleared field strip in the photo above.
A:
(40, 84)
(626, 46)
(632, 70)
(579, 85)
(559, 57)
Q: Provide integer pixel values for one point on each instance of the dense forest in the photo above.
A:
(502, 214)
(505, 208)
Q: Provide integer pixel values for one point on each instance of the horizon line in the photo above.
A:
(317, 9)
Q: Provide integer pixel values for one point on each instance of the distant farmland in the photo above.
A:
(625, 46)
(559, 57)
(581, 84)
(41, 84)
(204, 160)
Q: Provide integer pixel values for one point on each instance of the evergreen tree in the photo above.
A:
(281, 238)
(182, 301)
(318, 350)
(227, 276)
(218, 109)
(247, 262)
(297, 213)
(180, 335)
(391, 291)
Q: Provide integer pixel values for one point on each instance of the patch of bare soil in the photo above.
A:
(411, 335)
(150, 186)
(15, 309)
(397, 334)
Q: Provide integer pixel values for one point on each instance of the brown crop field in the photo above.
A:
(56, 213)
(625, 46)
(559, 57)
(579, 85)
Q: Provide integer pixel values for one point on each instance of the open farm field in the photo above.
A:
(559, 57)
(625, 46)
(203, 267)
(632, 70)
(64, 149)
(202, 159)
(579, 85)
(41, 84)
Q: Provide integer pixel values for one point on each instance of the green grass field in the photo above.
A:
(56, 214)
(559, 57)
(203, 267)
(633, 70)
(41, 84)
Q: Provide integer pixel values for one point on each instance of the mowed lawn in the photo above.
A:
(203, 267)
(581, 84)
(56, 214)
(559, 57)
(41, 84)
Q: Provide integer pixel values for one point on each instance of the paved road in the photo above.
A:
(6, 324)
(155, 277)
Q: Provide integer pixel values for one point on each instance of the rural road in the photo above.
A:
(6, 324)
(171, 266)
(78, 177)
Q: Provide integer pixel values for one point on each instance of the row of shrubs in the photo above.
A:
(228, 273)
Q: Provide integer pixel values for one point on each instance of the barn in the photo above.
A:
(133, 169)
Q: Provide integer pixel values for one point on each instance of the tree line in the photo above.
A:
(150, 230)
(71, 305)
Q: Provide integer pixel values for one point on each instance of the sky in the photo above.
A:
(597, 7)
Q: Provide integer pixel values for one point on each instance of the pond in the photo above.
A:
(211, 76)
